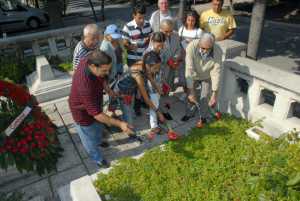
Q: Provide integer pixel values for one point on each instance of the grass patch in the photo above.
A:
(216, 163)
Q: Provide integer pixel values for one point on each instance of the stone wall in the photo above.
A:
(256, 91)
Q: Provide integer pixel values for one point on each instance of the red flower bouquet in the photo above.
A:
(28, 139)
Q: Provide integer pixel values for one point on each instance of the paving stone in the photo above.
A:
(79, 146)
(63, 107)
(70, 156)
(12, 179)
(41, 188)
(68, 119)
(65, 177)
(55, 118)
(91, 166)
(49, 109)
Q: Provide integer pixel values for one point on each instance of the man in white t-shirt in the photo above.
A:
(161, 14)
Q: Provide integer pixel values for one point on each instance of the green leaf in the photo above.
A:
(294, 181)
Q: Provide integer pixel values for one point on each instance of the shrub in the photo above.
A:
(16, 70)
(216, 163)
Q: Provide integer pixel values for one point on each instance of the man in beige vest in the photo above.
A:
(201, 69)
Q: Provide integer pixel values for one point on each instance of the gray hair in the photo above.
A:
(90, 29)
(207, 37)
(167, 22)
(159, 1)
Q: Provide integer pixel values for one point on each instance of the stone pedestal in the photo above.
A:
(46, 83)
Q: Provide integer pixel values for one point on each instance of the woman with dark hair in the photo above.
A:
(139, 79)
(190, 30)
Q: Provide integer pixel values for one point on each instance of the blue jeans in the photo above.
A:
(127, 111)
(90, 137)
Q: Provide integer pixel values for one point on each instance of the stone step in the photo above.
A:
(81, 189)
(37, 198)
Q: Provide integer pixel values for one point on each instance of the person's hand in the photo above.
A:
(192, 99)
(161, 117)
(126, 128)
(160, 92)
(213, 100)
(112, 94)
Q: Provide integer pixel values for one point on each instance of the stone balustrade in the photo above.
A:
(256, 91)
(56, 42)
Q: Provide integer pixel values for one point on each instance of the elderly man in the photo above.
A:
(201, 69)
(90, 41)
(171, 53)
(219, 22)
(161, 14)
(85, 102)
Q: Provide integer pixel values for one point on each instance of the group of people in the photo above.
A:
(139, 64)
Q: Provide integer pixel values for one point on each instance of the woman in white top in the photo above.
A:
(190, 30)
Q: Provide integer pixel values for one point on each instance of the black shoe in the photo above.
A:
(134, 137)
(185, 118)
(104, 144)
(167, 116)
(104, 164)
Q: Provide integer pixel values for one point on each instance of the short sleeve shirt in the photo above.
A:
(217, 23)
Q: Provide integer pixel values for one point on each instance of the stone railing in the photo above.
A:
(57, 42)
(256, 91)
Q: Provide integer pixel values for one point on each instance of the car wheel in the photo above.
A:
(33, 23)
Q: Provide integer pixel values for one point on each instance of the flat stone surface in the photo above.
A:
(68, 119)
(66, 176)
(70, 156)
(63, 107)
(41, 188)
(56, 119)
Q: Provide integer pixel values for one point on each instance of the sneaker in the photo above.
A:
(104, 164)
(134, 137)
(185, 118)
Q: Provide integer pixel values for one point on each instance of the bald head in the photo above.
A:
(90, 29)
(91, 36)
(166, 26)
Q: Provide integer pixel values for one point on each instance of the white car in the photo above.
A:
(14, 16)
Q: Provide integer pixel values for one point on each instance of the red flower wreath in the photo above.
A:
(33, 145)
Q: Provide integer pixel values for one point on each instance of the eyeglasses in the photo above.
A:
(207, 49)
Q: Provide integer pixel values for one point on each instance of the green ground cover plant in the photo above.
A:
(14, 70)
(215, 163)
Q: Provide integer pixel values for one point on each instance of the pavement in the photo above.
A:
(75, 162)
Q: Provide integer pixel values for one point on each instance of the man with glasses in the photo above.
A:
(201, 69)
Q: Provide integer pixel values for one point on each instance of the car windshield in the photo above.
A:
(9, 5)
